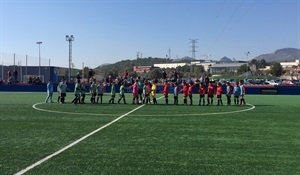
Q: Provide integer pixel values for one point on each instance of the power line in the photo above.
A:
(229, 20)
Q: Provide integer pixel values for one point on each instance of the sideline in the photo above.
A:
(74, 143)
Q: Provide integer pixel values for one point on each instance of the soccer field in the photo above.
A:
(262, 137)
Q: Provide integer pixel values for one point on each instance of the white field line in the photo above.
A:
(74, 143)
(197, 114)
(72, 113)
(63, 112)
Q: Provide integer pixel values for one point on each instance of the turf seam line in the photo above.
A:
(74, 143)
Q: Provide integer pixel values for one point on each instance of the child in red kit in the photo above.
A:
(190, 92)
(166, 92)
(202, 93)
(185, 92)
(219, 93)
(210, 93)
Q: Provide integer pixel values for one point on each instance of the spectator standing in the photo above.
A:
(206, 80)
(125, 75)
(175, 76)
(15, 75)
(9, 76)
(164, 75)
(78, 77)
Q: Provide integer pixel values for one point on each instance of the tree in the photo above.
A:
(243, 69)
(276, 69)
(254, 62)
(155, 73)
(87, 72)
(113, 73)
(198, 70)
(132, 74)
(261, 63)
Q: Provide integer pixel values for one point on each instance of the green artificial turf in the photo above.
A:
(155, 139)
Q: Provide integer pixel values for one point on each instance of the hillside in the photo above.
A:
(281, 55)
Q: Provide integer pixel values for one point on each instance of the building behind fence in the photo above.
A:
(27, 68)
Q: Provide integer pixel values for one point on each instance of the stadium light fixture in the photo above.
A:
(39, 43)
(70, 39)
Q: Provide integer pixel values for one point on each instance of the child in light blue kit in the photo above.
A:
(236, 92)
(176, 92)
(49, 92)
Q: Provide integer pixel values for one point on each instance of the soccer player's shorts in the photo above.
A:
(63, 94)
(153, 95)
(236, 96)
(122, 95)
(140, 91)
(201, 96)
(219, 96)
(94, 94)
(166, 96)
(210, 96)
(190, 95)
(100, 94)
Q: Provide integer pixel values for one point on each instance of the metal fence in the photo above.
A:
(11, 62)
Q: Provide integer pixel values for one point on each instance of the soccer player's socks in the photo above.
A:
(221, 102)
(244, 101)
(167, 101)
(97, 99)
(212, 101)
(58, 99)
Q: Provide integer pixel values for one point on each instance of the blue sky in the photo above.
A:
(111, 31)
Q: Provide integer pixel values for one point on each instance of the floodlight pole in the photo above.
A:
(247, 53)
(70, 39)
(39, 43)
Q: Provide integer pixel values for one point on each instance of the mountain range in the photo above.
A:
(281, 55)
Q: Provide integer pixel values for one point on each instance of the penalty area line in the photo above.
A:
(74, 143)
